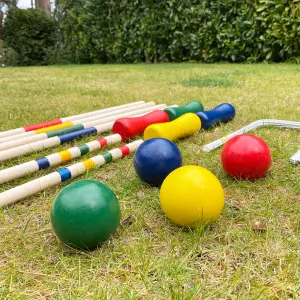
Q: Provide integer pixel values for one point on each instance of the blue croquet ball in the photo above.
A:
(155, 159)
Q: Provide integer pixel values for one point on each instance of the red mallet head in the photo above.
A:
(246, 156)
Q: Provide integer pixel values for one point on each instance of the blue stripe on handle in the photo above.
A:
(65, 174)
(73, 135)
(43, 163)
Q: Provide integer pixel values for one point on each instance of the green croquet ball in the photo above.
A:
(85, 214)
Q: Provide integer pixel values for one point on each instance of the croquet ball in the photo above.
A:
(155, 159)
(246, 156)
(192, 195)
(85, 214)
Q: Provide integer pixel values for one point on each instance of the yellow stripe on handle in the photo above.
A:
(65, 155)
(184, 126)
(89, 164)
(54, 127)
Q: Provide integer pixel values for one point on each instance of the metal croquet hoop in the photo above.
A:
(295, 159)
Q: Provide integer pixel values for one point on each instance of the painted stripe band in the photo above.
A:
(43, 163)
(72, 136)
(42, 125)
(65, 174)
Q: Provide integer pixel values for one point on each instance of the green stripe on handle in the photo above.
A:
(38, 185)
(176, 112)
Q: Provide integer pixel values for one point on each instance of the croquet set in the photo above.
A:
(85, 213)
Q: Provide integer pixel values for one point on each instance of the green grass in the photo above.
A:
(213, 80)
(151, 258)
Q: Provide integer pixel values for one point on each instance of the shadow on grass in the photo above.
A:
(213, 80)
(209, 82)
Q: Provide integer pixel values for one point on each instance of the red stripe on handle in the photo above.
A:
(129, 127)
(125, 150)
(42, 125)
(102, 142)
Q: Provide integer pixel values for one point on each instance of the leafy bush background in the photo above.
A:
(173, 30)
(130, 31)
(29, 36)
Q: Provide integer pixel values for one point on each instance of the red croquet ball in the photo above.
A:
(246, 156)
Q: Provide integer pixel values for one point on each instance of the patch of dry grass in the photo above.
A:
(151, 258)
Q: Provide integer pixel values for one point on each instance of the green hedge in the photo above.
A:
(179, 30)
(156, 31)
(31, 35)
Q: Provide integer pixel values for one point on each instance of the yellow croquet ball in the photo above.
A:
(192, 195)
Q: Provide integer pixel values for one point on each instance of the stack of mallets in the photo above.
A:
(22, 141)
(126, 121)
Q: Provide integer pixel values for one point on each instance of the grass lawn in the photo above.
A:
(151, 258)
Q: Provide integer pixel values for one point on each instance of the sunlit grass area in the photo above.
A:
(149, 258)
